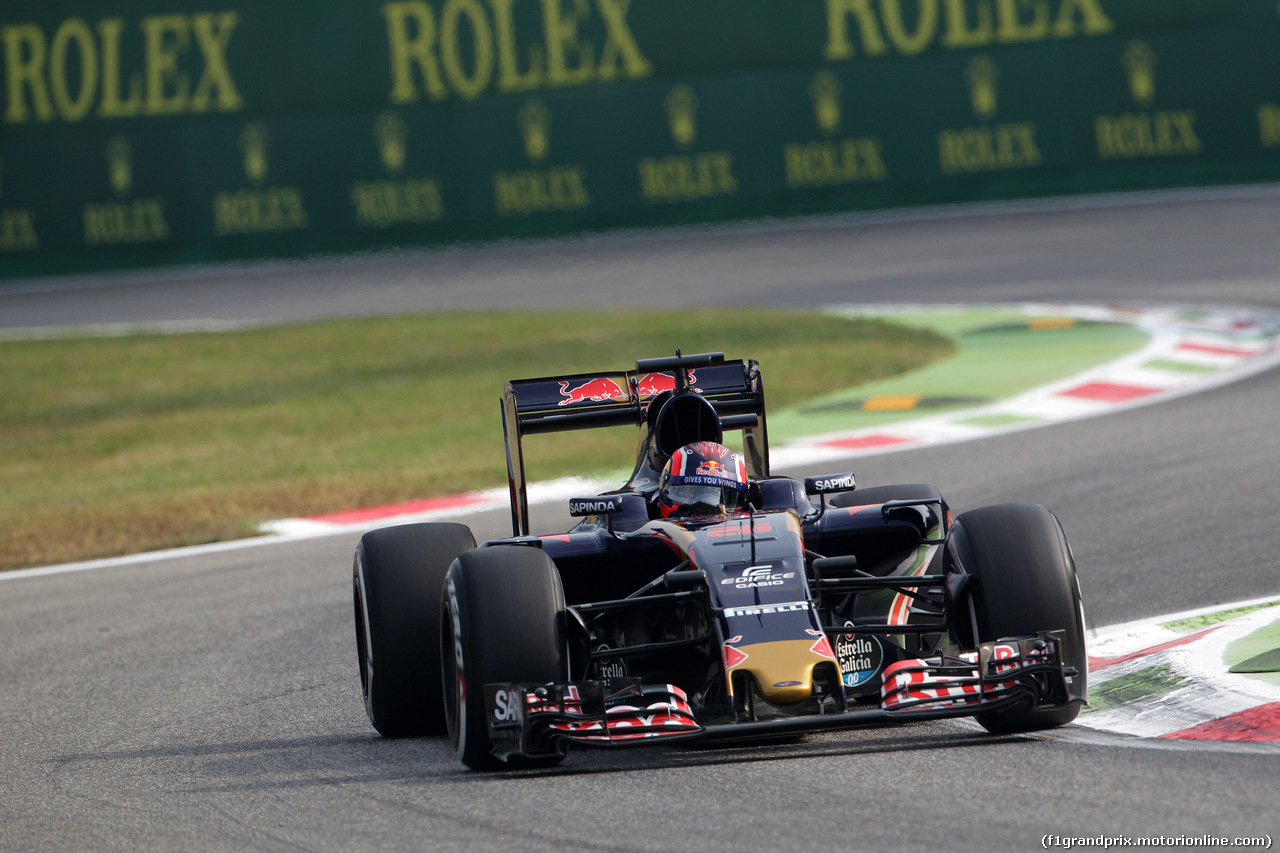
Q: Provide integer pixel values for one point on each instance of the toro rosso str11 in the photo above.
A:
(764, 607)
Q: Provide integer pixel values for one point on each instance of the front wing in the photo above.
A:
(542, 719)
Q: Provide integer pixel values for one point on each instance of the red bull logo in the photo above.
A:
(822, 647)
(733, 657)
(652, 384)
(594, 390)
(712, 468)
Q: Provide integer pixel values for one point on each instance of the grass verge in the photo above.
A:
(1001, 354)
(114, 445)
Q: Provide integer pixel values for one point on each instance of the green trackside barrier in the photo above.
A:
(170, 131)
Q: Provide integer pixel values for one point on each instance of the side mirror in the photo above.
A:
(829, 484)
(603, 505)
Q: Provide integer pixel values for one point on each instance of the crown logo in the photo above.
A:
(535, 126)
(120, 165)
(392, 135)
(825, 91)
(682, 112)
(1140, 65)
(254, 140)
(981, 77)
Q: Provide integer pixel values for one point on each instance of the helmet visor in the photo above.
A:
(704, 500)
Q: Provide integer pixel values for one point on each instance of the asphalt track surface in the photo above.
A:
(211, 702)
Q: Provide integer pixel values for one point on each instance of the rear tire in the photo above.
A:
(397, 575)
(1024, 582)
(500, 622)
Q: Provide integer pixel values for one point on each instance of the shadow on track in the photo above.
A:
(337, 760)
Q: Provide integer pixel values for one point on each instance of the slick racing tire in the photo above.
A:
(1024, 582)
(397, 575)
(500, 622)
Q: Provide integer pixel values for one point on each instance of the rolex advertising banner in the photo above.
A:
(157, 131)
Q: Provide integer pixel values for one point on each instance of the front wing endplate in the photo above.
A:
(533, 719)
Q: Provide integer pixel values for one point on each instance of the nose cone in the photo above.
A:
(783, 669)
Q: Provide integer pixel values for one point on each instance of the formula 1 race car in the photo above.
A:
(707, 599)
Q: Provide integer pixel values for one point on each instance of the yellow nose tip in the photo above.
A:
(783, 669)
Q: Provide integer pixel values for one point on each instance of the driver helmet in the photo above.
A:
(704, 478)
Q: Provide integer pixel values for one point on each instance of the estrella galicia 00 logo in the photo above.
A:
(860, 658)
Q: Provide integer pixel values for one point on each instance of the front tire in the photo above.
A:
(397, 575)
(1024, 581)
(500, 622)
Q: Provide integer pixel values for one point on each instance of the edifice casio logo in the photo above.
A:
(254, 142)
(681, 105)
(981, 77)
(392, 136)
(825, 92)
(1140, 67)
(535, 127)
(119, 157)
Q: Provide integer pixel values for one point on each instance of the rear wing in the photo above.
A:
(735, 389)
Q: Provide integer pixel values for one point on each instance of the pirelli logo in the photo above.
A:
(762, 609)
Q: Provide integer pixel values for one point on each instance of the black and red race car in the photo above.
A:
(813, 606)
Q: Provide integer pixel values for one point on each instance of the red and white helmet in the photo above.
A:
(704, 478)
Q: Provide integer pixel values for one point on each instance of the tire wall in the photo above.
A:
(161, 131)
